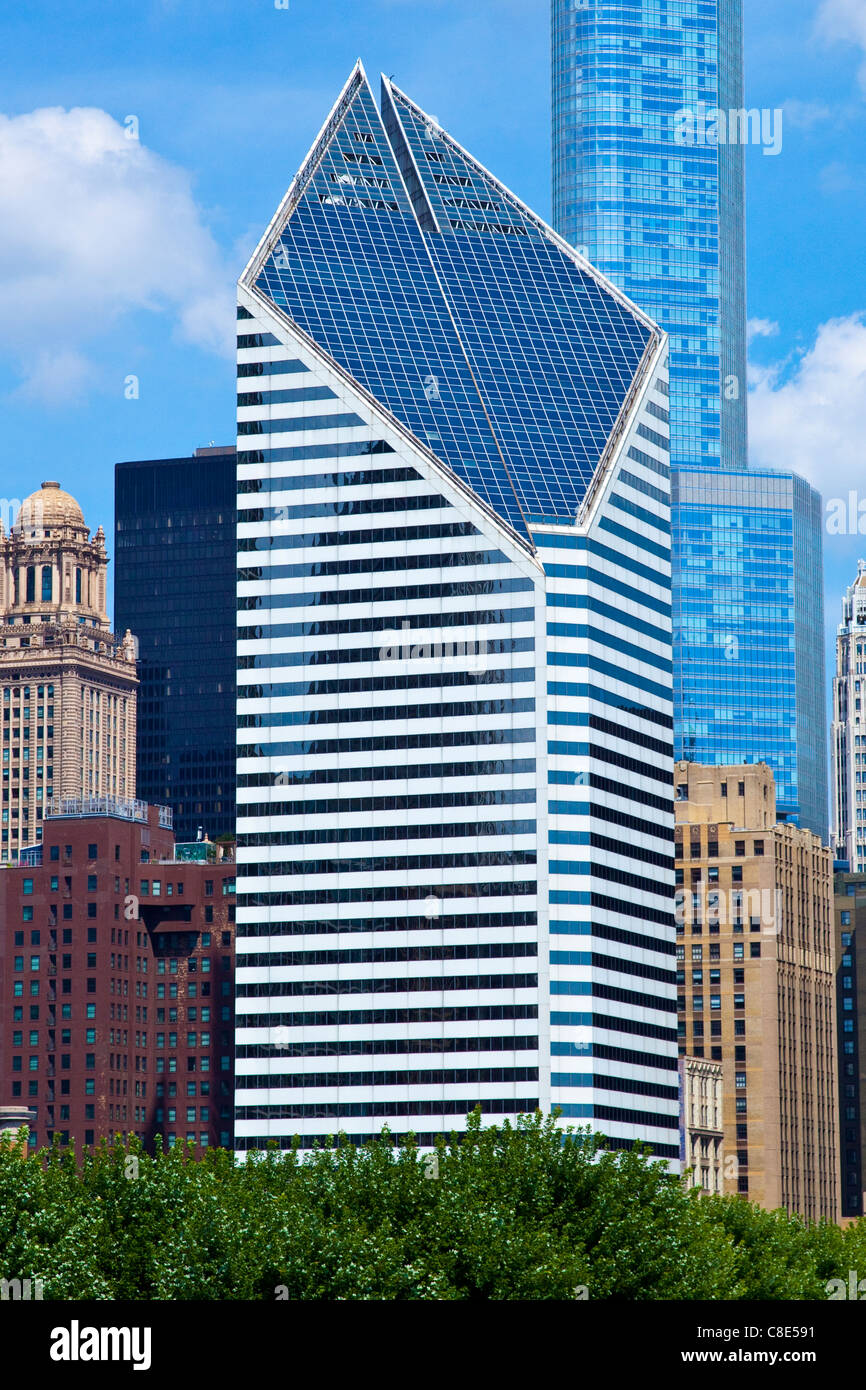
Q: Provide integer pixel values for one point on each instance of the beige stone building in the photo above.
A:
(67, 684)
(756, 983)
(702, 1122)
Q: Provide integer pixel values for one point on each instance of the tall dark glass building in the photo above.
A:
(648, 181)
(174, 588)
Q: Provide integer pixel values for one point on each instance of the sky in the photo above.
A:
(144, 148)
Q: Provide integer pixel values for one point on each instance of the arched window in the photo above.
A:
(47, 583)
(78, 586)
(30, 592)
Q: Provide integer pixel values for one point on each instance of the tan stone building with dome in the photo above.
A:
(67, 684)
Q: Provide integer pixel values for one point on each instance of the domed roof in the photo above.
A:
(47, 508)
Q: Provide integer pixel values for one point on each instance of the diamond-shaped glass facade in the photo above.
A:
(454, 306)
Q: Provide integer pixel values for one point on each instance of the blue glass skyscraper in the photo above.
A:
(659, 208)
(646, 188)
(748, 622)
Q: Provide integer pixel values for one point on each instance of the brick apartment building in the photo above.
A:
(756, 983)
(116, 979)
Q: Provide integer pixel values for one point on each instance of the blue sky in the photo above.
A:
(118, 256)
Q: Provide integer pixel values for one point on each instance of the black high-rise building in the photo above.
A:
(174, 588)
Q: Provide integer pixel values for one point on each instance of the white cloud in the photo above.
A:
(61, 378)
(809, 414)
(94, 226)
(805, 115)
(838, 178)
(843, 21)
(761, 328)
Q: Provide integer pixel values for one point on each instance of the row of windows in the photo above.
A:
(291, 424)
(606, 668)
(355, 448)
(638, 881)
(614, 993)
(283, 368)
(621, 789)
(471, 650)
(306, 897)
(612, 1023)
(431, 1077)
(384, 535)
(475, 921)
(640, 514)
(286, 396)
(592, 576)
(614, 1054)
(385, 1047)
(445, 738)
(327, 627)
(423, 801)
(357, 477)
(447, 1013)
(351, 714)
(605, 610)
(629, 850)
(456, 588)
(493, 768)
(389, 863)
(337, 835)
(373, 564)
(607, 726)
(660, 945)
(608, 755)
(615, 963)
(413, 984)
(645, 1119)
(372, 955)
(329, 1111)
(597, 810)
(422, 680)
(604, 1082)
(628, 707)
(358, 506)
(640, 485)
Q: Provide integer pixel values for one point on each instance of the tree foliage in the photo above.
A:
(528, 1211)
